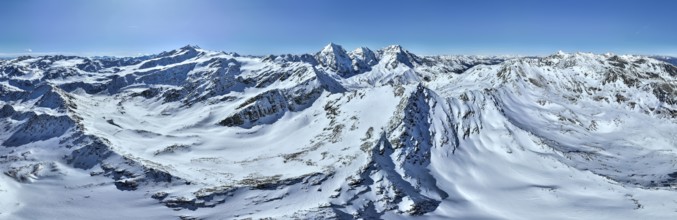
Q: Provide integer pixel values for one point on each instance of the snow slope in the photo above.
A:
(384, 134)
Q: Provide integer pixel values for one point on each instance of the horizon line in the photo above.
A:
(138, 54)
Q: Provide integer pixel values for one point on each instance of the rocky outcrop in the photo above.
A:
(261, 108)
(40, 128)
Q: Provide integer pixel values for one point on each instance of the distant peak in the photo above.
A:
(332, 47)
(335, 57)
(362, 50)
(394, 55)
(333, 51)
(190, 47)
(394, 48)
(185, 49)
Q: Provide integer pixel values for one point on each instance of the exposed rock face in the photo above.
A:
(39, 128)
(268, 104)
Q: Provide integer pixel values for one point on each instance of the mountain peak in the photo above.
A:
(363, 58)
(336, 58)
(190, 47)
(174, 56)
(393, 48)
(360, 50)
(394, 54)
(332, 48)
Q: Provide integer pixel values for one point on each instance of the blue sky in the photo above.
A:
(131, 27)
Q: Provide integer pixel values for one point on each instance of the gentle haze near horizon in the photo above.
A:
(128, 28)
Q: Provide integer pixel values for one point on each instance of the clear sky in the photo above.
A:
(535, 27)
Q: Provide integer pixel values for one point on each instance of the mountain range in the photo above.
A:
(363, 134)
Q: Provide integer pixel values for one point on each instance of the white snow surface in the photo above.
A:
(192, 133)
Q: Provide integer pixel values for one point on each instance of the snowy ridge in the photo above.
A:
(382, 134)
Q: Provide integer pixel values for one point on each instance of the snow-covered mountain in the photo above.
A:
(668, 59)
(384, 134)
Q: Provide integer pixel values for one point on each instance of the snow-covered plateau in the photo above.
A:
(386, 134)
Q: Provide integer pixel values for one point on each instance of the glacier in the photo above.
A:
(386, 134)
